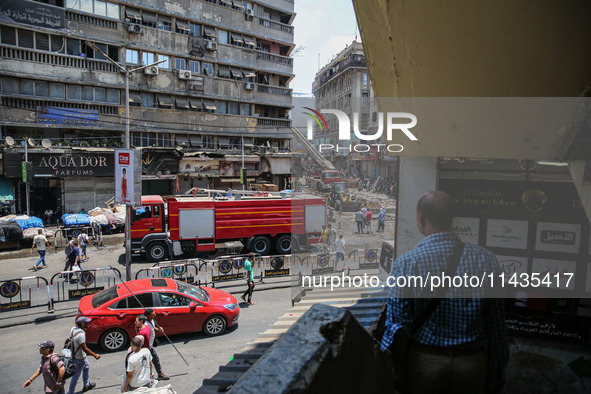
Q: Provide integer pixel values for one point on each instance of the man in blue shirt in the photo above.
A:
(463, 345)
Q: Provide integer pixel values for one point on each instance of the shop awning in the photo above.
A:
(181, 139)
(182, 25)
(149, 17)
(209, 31)
(196, 140)
(135, 98)
(182, 102)
(133, 13)
(209, 105)
(279, 165)
(249, 40)
(196, 103)
(238, 158)
(237, 38)
(248, 73)
(223, 141)
(164, 18)
(224, 71)
(236, 73)
(165, 101)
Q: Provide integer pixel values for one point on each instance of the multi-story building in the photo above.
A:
(344, 84)
(222, 84)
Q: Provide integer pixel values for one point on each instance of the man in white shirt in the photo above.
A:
(139, 366)
(340, 249)
(40, 242)
(78, 335)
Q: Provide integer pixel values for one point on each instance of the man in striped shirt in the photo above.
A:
(462, 346)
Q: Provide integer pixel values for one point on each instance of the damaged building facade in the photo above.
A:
(222, 85)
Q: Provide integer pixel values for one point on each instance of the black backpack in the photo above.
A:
(68, 361)
(68, 364)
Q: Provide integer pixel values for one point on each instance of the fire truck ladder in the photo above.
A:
(316, 155)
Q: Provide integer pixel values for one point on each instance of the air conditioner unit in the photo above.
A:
(152, 70)
(134, 28)
(212, 45)
(248, 14)
(249, 86)
(184, 74)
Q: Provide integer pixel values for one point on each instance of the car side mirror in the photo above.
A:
(192, 305)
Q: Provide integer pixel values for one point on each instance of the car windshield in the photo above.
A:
(104, 296)
(193, 291)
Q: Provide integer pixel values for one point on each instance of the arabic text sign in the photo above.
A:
(67, 116)
(558, 237)
(34, 13)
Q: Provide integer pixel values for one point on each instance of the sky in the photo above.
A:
(322, 27)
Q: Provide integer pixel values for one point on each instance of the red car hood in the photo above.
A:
(85, 305)
(217, 296)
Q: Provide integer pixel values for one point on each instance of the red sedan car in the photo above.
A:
(180, 308)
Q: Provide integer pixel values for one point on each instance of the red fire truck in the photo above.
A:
(193, 224)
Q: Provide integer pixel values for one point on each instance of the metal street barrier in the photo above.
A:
(187, 271)
(80, 284)
(24, 292)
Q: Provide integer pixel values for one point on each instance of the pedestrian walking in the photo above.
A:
(73, 260)
(143, 329)
(78, 335)
(83, 242)
(324, 237)
(249, 280)
(138, 366)
(340, 249)
(381, 220)
(332, 237)
(154, 327)
(368, 216)
(67, 249)
(51, 368)
(40, 242)
(459, 344)
(359, 221)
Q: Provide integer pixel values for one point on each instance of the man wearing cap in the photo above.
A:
(78, 336)
(52, 369)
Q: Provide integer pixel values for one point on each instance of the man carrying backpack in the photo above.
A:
(79, 351)
(83, 242)
(52, 369)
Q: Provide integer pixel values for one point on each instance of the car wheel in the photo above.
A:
(261, 245)
(214, 325)
(156, 251)
(283, 244)
(114, 339)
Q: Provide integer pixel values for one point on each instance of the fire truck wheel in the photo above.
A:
(283, 244)
(214, 325)
(261, 245)
(156, 251)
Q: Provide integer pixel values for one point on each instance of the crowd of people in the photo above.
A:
(140, 361)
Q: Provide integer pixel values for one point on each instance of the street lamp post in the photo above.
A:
(127, 146)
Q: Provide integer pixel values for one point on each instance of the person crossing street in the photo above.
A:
(40, 242)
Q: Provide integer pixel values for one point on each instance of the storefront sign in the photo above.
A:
(76, 165)
(68, 116)
(79, 293)
(558, 237)
(506, 234)
(200, 166)
(34, 13)
(466, 229)
(128, 177)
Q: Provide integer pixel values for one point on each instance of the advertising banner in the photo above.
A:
(128, 177)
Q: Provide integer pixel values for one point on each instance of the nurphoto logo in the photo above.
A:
(345, 130)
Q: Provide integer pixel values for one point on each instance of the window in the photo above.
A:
(223, 36)
(194, 67)
(131, 56)
(148, 58)
(235, 143)
(182, 27)
(374, 116)
(245, 109)
(364, 99)
(136, 139)
(364, 79)
(113, 96)
(163, 140)
(221, 107)
(195, 29)
(57, 44)
(164, 23)
(207, 141)
(100, 94)
(180, 64)
(149, 19)
(26, 87)
(233, 108)
(9, 85)
(100, 8)
(41, 89)
(42, 41)
(25, 38)
(208, 69)
(97, 7)
(166, 64)
(144, 299)
(87, 93)
(173, 300)
(57, 90)
(73, 92)
(8, 35)
(156, 207)
(148, 139)
(113, 10)
(148, 100)
(209, 32)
